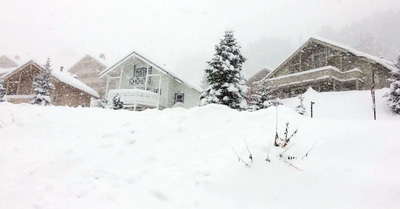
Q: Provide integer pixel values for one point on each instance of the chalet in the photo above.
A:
(143, 84)
(87, 70)
(328, 66)
(68, 90)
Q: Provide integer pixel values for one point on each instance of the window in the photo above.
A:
(179, 97)
(157, 91)
(139, 76)
(319, 60)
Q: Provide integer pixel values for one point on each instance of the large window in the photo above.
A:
(139, 76)
(320, 60)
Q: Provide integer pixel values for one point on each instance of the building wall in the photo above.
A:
(66, 95)
(87, 70)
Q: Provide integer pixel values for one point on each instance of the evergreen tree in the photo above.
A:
(42, 86)
(394, 97)
(300, 108)
(227, 85)
(117, 104)
(262, 97)
(2, 90)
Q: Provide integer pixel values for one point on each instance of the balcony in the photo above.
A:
(323, 73)
(134, 97)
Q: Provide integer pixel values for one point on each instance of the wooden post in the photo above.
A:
(373, 94)
(146, 78)
(312, 111)
(120, 77)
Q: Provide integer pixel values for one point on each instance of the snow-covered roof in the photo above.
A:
(386, 63)
(64, 77)
(379, 60)
(67, 78)
(147, 61)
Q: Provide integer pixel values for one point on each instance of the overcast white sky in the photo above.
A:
(179, 34)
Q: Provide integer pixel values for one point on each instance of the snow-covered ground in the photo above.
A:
(60, 157)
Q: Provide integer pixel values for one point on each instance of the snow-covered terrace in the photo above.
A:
(327, 72)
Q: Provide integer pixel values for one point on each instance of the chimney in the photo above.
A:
(61, 68)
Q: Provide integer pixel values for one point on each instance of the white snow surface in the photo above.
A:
(62, 157)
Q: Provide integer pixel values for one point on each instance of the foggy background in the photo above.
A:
(180, 35)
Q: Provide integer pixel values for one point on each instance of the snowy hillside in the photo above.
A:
(59, 157)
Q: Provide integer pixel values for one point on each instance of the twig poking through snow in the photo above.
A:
(290, 164)
(239, 158)
(248, 150)
(306, 155)
(269, 147)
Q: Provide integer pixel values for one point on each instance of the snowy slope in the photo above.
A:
(60, 157)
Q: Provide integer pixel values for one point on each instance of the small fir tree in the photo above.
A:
(2, 90)
(117, 104)
(394, 97)
(42, 86)
(262, 97)
(300, 108)
(226, 83)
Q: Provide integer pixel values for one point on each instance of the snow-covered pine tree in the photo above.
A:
(2, 90)
(117, 104)
(394, 97)
(262, 97)
(300, 108)
(227, 84)
(42, 86)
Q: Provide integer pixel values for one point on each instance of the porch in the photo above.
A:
(134, 98)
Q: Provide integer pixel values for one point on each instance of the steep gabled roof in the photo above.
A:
(64, 77)
(162, 70)
(325, 42)
(6, 62)
(86, 57)
(259, 75)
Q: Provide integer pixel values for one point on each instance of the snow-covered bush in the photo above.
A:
(394, 97)
(117, 104)
(300, 108)
(42, 86)
(2, 90)
(226, 82)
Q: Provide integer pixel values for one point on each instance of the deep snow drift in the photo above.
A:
(60, 157)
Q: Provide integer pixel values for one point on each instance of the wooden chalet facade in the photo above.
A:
(143, 84)
(87, 70)
(327, 66)
(68, 91)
